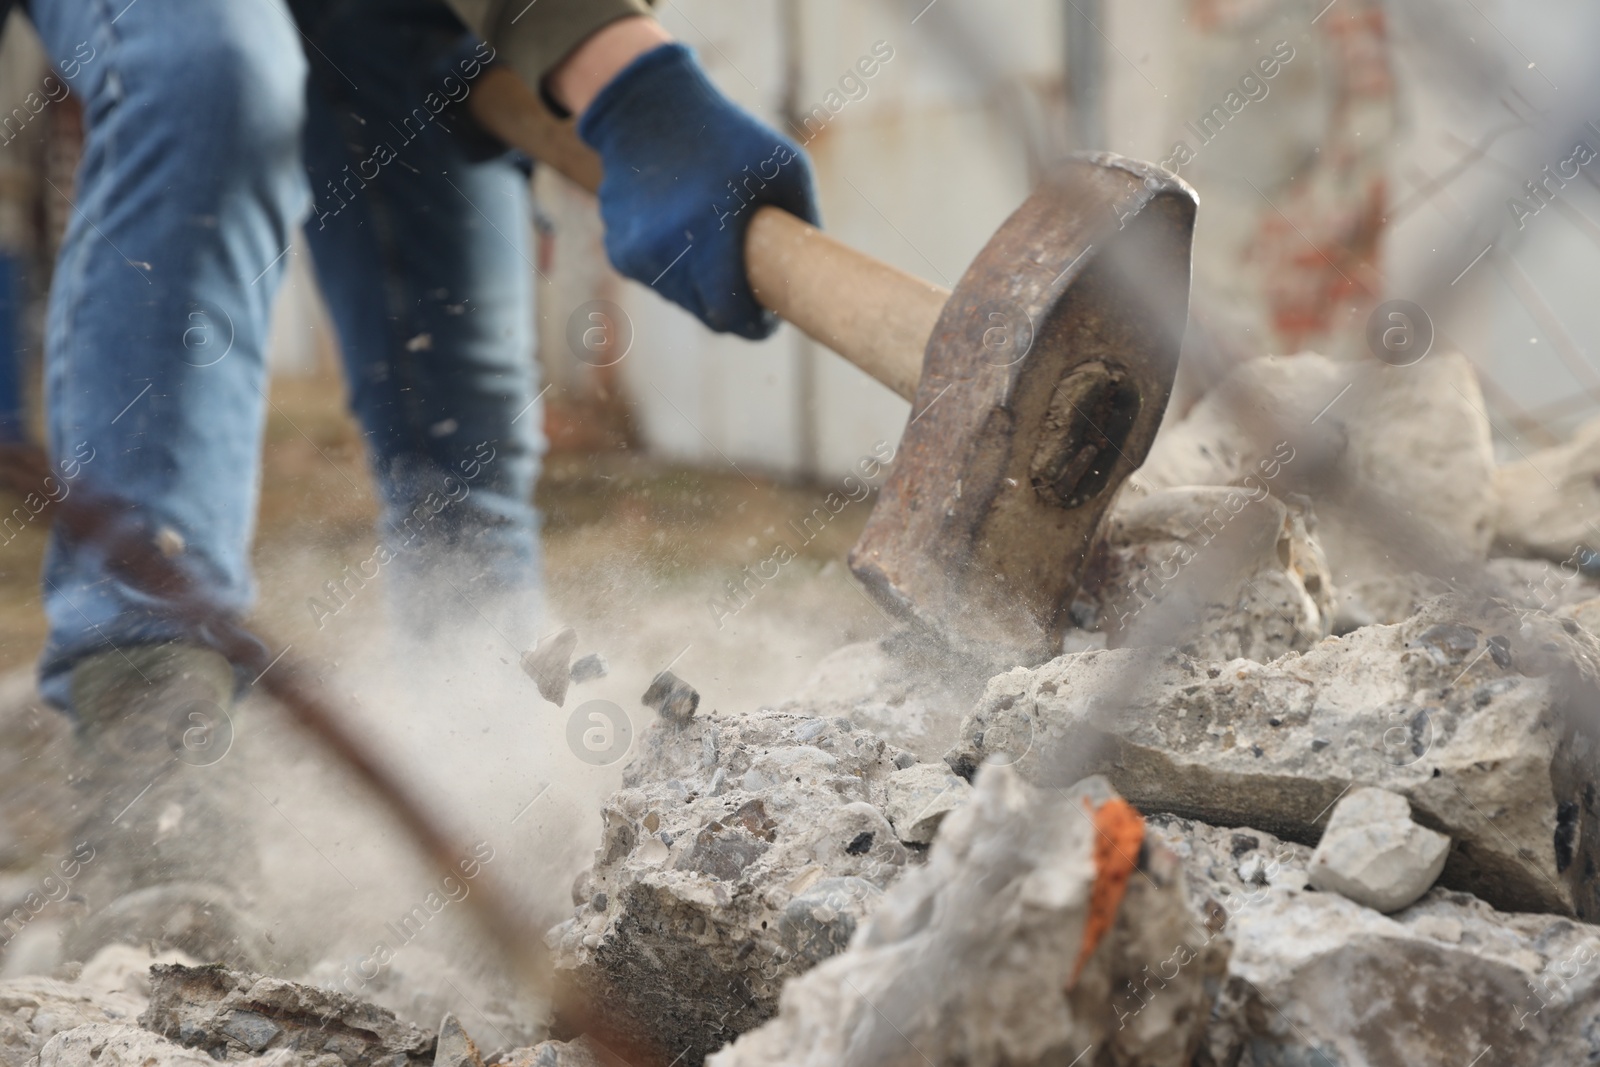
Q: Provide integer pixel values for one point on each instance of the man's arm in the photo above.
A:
(680, 168)
(532, 38)
(577, 79)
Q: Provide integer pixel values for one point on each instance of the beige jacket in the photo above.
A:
(531, 36)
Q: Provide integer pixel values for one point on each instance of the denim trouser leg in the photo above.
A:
(190, 183)
(424, 254)
(192, 179)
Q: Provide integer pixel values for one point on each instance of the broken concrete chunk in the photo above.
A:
(920, 796)
(974, 958)
(1317, 979)
(1217, 571)
(455, 1048)
(742, 849)
(671, 697)
(1372, 853)
(1548, 503)
(121, 1045)
(903, 687)
(231, 1014)
(1374, 448)
(585, 1051)
(1540, 585)
(547, 663)
(589, 668)
(1465, 713)
(113, 988)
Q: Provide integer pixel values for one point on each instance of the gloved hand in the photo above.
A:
(685, 170)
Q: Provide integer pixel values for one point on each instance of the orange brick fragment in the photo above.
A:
(1119, 834)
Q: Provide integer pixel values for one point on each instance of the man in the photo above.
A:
(209, 136)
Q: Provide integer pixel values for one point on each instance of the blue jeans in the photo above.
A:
(209, 137)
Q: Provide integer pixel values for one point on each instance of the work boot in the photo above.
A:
(173, 851)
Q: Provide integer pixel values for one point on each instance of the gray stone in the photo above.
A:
(121, 1045)
(671, 697)
(742, 849)
(408, 984)
(903, 688)
(975, 958)
(1372, 853)
(232, 1014)
(585, 1051)
(589, 668)
(1548, 503)
(1219, 572)
(547, 664)
(456, 1048)
(1398, 468)
(920, 796)
(1316, 980)
(1537, 584)
(1480, 719)
(113, 988)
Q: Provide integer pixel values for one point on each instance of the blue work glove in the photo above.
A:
(685, 170)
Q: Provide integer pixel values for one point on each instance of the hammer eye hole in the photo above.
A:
(1091, 414)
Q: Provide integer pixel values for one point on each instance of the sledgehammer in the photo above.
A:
(1036, 386)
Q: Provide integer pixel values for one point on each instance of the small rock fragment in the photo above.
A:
(671, 697)
(588, 668)
(582, 1052)
(920, 796)
(1372, 853)
(456, 1048)
(233, 1014)
(547, 663)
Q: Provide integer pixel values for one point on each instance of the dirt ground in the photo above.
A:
(607, 517)
(635, 552)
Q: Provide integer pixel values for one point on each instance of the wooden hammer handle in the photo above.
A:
(874, 315)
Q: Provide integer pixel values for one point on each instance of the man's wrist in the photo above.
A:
(578, 79)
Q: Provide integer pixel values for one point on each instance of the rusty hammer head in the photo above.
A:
(1042, 387)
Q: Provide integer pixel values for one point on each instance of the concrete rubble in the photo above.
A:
(991, 954)
(112, 989)
(1482, 719)
(455, 1046)
(902, 688)
(920, 796)
(107, 1045)
(1209, 834)
(1540, 585)
(1547, 503)
(1372, 853)
(581, 1052)
(1396, 461)
(1219, 572)
(231, 1015)
(1317, 979)
(742, 849)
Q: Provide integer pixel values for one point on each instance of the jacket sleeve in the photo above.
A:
(532, 37)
